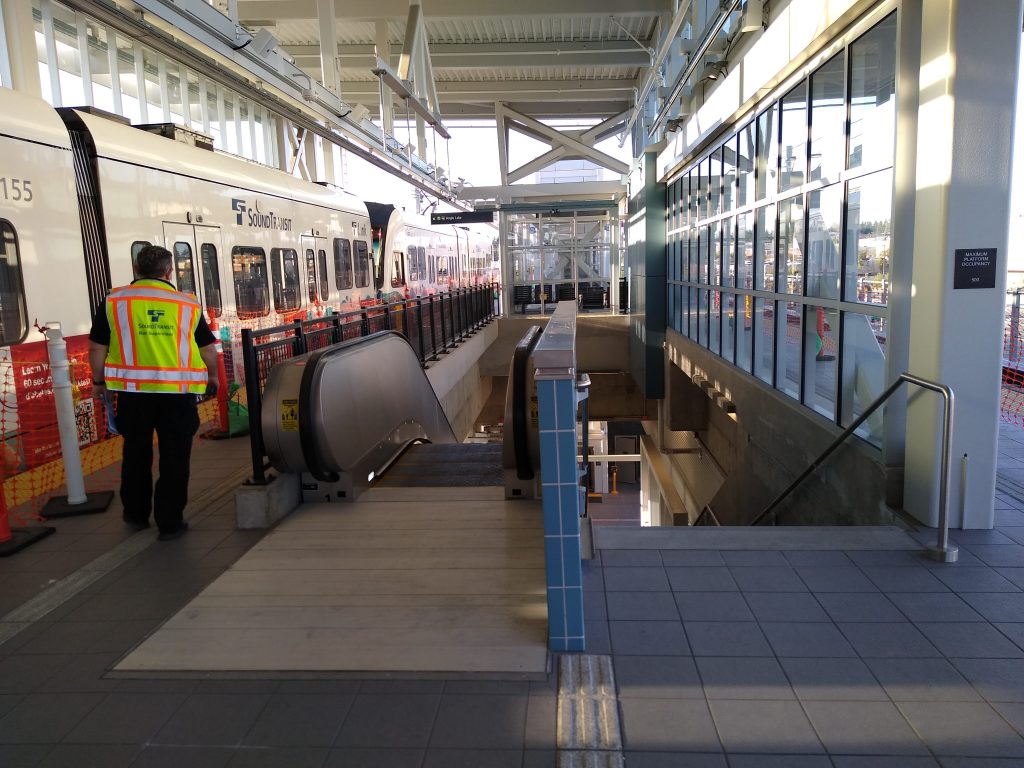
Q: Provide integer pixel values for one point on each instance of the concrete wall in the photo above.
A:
(459, 381)
(765, 445)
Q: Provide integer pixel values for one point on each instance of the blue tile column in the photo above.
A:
(555, 380)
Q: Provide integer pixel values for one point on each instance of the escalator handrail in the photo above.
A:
(307, 434)
(520, 360)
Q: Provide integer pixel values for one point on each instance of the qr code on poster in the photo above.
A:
(85, 417)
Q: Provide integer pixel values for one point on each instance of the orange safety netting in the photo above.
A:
(1011, 401)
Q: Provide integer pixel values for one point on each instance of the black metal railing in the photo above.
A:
(432, 324)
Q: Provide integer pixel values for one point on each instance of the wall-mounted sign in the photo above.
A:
(974, 268)
(463, 217)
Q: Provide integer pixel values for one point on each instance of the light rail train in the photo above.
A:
(81, 192)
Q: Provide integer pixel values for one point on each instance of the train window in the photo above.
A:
(398, 273)
(137, 246)
(311, 276)
(13, 313)
(362, 264)
(286, 282)
(211, 279)
(342, 264)
(183, 271)
(325, 283)
(249, 272)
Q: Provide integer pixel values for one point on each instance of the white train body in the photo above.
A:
(259, 248)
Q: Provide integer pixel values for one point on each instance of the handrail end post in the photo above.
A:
(944, 553)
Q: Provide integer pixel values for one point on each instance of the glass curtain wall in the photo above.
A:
(85, 63)
(779, 235)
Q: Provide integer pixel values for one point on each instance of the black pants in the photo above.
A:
(176, 420)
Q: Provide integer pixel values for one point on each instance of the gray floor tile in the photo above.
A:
(888, 640)
(539, 758)
(970, 640)
(479, 722)
(922, 680)
(743, 678)
(664, 677)
(882, 761)
(375, 758)
(1012, 713)
(897, 579)
(300, 720)
(979, 762)
(655, 606)
(238, 686)
(212, 719)
(963, 728)
(859, 606)
(45, 718)
(1014, 575)
(847, 578)
(24, 673)
(779, 761)
(806, 639)
(764, 727)
(275, 757)
(598, 638)
(667, 725)
(691, 557)
(701, 579)
(319, 686)
(1004, 555)
(977, 536)
(627, 579)
(974, 580)
(767, 579)
(473, 758)
(888, 557)
(159, 756)
(863, 727)
(593, 577)
(713, 606)
(801, 557)
(785, 606)
(726, 638)
(594, 604)
(389, 720)
(90, 756)
(619, 558)
(996, 606)
(832, 680)
(9, 701)
(933, 606)
(126, 718)
(1013, 631)
(743, 557)
(660, 638)
(85, 675)
(492, 687)
(402, 686)
(22, 755)
(541, 715)
(995, 679)
(672, 760)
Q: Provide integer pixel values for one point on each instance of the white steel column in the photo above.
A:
(384, 54)
(21, 67)
(967, 91)
(329, 74)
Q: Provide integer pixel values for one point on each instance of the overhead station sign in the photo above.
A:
(463, 217)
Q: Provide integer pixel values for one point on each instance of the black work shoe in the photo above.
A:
(131, 522)
(177, 533)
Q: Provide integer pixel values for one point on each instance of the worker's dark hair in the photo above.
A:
(153, 261)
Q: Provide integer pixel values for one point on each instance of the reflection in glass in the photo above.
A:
(744, 332)
(764, 339)
(745, 165)
(715, 255)
(863, 370)
(821, 332)
(715, 183)
(794, 138)
(828, 120)
(684, 201)
(702, 189)
(728, 174)
(764, 248)
(702, 317)
(715, 322)
(703, 246)
(693, 199)
(728, 253)
(868, 228)
(767, 152)
(824, 224)
(791, 245)
(873, 95)
(728, 326)
(787, 328)
(693, 309)
(745, 250)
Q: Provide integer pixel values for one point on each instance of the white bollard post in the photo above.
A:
(60, 369)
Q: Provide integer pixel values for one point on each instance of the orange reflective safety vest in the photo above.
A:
(152, 340)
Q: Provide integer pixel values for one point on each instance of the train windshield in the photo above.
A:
(378, 257)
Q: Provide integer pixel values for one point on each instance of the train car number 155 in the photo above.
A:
(16, 189)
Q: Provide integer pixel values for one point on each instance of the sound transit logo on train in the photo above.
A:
(256, 218)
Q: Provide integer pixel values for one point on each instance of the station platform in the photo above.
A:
(727, 651)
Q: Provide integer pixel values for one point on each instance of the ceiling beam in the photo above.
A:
(544, 109)
(441, 9)
(596, 53)
(367, 91)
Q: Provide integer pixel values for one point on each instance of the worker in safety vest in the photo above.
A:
(152, 349)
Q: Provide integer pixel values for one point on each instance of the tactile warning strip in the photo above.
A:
(588, 730)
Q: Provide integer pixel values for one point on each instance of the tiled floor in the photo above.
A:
(743, 658)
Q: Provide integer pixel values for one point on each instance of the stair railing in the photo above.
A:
(943, 550)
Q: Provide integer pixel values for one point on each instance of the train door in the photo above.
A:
(314, 256)
(196, 252)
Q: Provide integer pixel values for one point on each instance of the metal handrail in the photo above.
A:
(942, 551)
